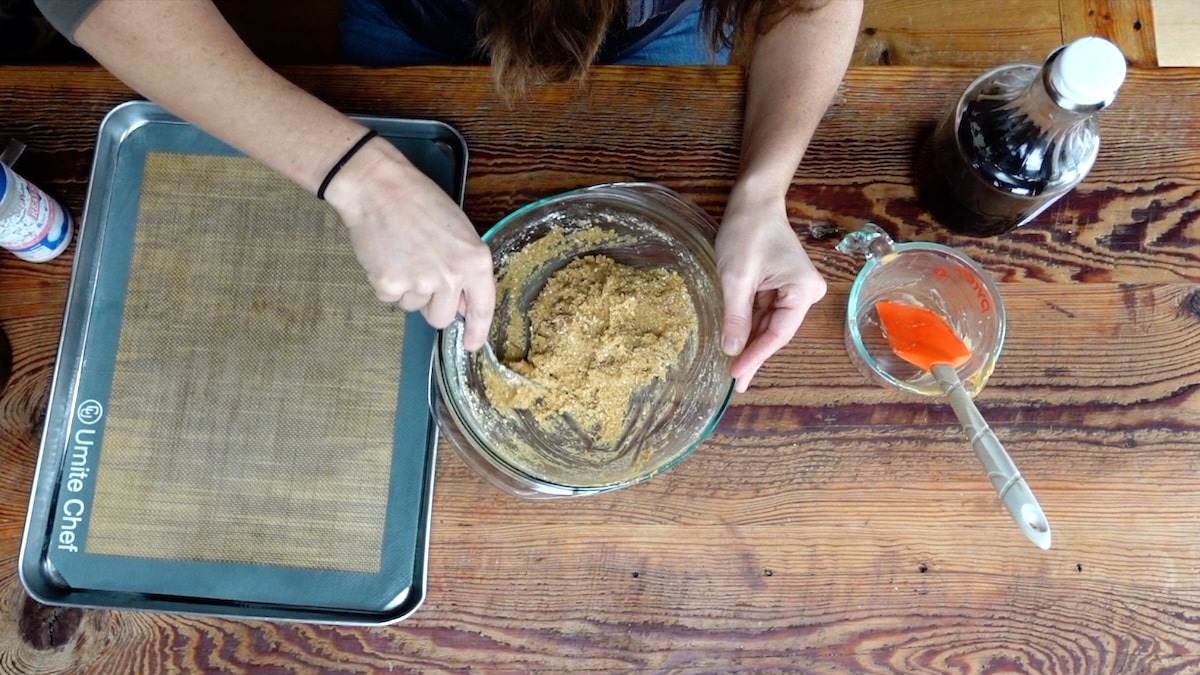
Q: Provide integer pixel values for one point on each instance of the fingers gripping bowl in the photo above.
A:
(553, 452)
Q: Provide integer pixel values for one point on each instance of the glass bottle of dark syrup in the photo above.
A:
(1019, 138)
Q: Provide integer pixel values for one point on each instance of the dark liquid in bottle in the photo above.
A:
(1003, 176)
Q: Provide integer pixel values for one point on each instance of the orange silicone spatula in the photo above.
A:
(922, 337)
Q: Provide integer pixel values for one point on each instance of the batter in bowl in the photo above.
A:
(599, 332)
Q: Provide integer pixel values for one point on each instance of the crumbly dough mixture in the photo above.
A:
(600, 331)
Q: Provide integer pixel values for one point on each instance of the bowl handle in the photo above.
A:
(870, 240)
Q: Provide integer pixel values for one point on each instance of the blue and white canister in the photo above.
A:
(33, 225)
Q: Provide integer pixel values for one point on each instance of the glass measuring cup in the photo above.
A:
(931, 275)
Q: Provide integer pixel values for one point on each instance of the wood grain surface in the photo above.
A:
(1178, 24)
(829, 525)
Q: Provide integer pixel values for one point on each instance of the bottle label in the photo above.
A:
(33, 226)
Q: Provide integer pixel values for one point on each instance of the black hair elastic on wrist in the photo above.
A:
(342, 162)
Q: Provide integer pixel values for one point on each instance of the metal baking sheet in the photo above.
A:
(235, 426)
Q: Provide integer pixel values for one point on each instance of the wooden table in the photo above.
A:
(829, 525)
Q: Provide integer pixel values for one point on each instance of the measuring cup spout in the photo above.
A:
(870, 240)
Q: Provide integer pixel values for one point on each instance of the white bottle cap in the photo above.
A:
(1088, 72)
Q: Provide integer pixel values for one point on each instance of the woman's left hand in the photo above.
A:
(767, 279)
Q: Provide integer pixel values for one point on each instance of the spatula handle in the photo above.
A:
(1001, 470)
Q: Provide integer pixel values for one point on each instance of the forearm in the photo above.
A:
(793, 75)
(183, 55)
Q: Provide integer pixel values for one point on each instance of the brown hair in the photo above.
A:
(532, 42)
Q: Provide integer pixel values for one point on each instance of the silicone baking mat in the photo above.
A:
(238, 425)
(266, 365)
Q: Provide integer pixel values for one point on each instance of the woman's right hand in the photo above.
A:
(417, 246)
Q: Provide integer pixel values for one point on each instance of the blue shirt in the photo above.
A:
(448, 26)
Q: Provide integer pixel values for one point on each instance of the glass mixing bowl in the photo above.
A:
(931, 275)
(639, 224)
